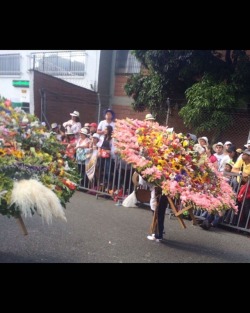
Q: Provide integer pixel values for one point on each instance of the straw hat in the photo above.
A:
(54, 125)
(204, 138)
(84, 131)
(75, 113)
(246, 152)
(247, 144)
(230, 163)
(217, 144)
(96, 136)
(149, 117)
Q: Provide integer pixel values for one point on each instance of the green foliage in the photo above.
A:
(210, 80)
(6, 185)
(208, 106)
(149, 89)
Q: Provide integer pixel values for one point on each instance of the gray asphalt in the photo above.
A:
(98, 231)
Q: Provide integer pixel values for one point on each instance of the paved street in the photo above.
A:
(98, 231)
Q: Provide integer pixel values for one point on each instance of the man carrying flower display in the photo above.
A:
(153, 201)
(158, 227)
(167, 160)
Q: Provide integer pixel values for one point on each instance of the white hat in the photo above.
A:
(217, 144)
(149, 117)
(231, 163)
(227, 143)
(54, 125)
(204, 138)
(96, 136)
(75, 113)
(247, 144)
(170, 130)
(198, 148)
(84, 131)
(86, 125)
(246, 152)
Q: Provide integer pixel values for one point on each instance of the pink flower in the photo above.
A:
(166, 160)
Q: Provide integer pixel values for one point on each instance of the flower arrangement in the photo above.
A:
(167, 160)
(35, 173)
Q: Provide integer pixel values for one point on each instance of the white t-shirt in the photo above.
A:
(72, 126)
(103, 124)
(222, 159)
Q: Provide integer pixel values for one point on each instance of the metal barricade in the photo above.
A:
(239, 221)
(113, 180)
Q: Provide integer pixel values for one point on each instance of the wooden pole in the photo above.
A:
(180, 220)
(22, 225)
(180, 212)
(154, 225)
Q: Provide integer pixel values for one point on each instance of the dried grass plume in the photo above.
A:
(31, 195)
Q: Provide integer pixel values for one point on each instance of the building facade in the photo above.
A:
(103, 71)
(116, 66)
(79, 67)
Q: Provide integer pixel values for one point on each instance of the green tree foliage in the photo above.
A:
(208, 104)
(173, 73)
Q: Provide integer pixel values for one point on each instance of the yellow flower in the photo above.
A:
(159, 167)
(161, 162)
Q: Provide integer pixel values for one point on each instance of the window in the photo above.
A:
(10, 64)
(23, 105)
(26, 107)
(61, 63)
(126, 63)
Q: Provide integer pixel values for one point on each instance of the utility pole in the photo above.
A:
(41, 91)
(168, 110)
(99, 107)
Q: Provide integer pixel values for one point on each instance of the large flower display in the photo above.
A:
(167, 160)
(35, 174)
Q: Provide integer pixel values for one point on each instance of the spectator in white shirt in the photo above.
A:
(218, 149)
(74, 124)
(109, 121)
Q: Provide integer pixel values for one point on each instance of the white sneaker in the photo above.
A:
(158, 240)
(151, 237)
